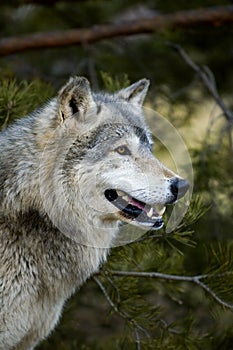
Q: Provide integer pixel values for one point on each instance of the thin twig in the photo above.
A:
(137, 339)
(113, 285)
(123, 314)
(208, 79)
(194, 279)
(213, 294)
(97, 281)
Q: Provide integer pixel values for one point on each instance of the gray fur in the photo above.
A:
(56, 226)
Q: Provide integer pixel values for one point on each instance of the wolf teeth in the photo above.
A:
(156, 217)
(120, 193)
(150, 213)
(161, 212)
(160, 209)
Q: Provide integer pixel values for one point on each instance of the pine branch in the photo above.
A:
(123, 314)
(194, 279)
(212, 16)
(207, 78)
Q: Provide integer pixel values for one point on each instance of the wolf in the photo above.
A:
(70, 174)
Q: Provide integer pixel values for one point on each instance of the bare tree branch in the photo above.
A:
(208, 79)
(198, 280)
(212, 16)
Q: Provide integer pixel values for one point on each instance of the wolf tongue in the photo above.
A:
(137, 203)
(132, 210)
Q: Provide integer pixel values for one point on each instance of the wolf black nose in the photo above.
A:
(179, 187)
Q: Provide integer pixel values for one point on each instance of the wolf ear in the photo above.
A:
(136, 92)
(74, 98)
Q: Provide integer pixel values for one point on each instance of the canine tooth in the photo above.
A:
(150, 213)
(126, 198)
(160, 212)
(120, 193)
(160, 209)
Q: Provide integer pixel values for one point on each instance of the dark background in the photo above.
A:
(177, 315)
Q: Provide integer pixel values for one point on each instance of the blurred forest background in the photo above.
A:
(134, 312)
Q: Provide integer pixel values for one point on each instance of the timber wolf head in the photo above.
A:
(109, 173)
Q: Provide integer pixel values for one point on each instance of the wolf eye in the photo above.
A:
(123, 150)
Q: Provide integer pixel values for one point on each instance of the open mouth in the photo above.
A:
(134, 211)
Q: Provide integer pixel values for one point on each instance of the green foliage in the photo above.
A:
(152, 302)
(113, 84)
(19, 99)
